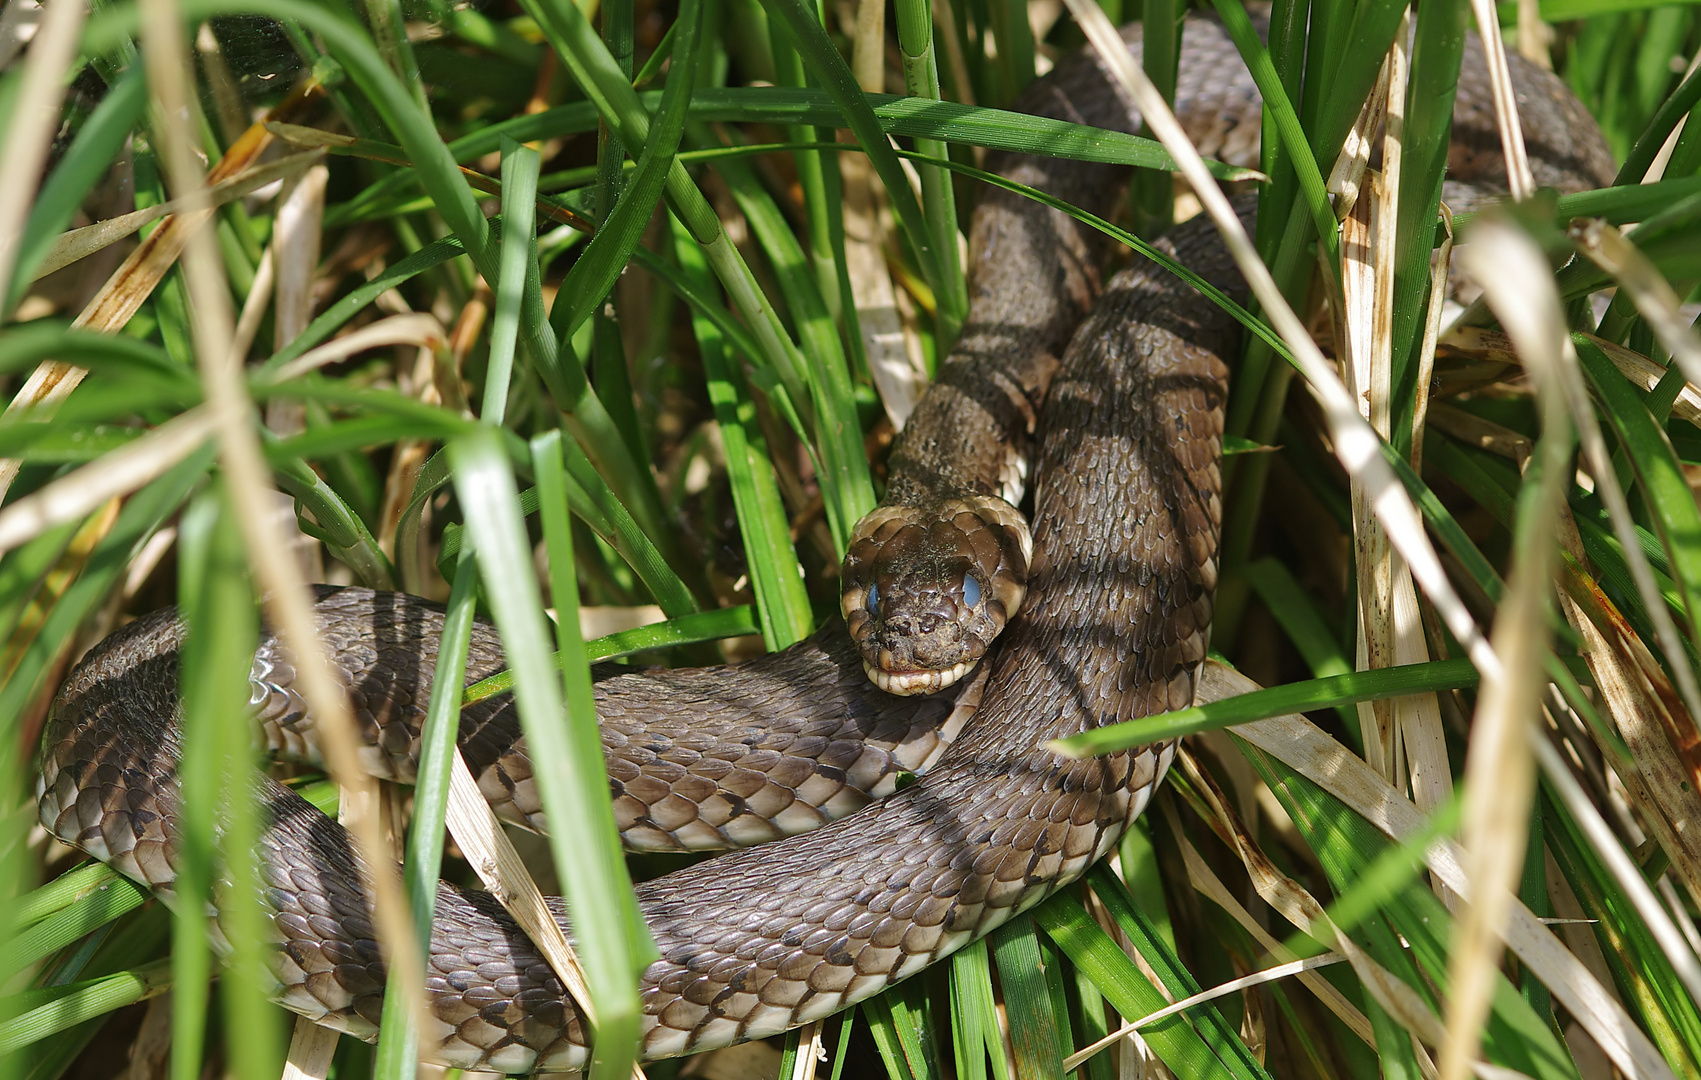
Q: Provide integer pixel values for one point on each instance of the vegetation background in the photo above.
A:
(664, 265)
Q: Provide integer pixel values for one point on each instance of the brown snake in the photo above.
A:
(757, 941)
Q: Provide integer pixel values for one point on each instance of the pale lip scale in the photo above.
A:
(910, 683)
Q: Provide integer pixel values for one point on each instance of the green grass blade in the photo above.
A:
(596, 505)
(1203, 1053)
(520, 166)
(145, 511)
(1347, 846)
(398, 1039)
(1035, 1041)
(1675, 518)
(829, 69)
(1152, 192)
(776, 578)
(610, 249)
(334, 522)
(887, 1042)
(921, 77)
(89, 156)
(1659, 128)
(975, 1027)
(1330, 692)
(1281, 110)
(104, 897)
(563, 731)
(846, 487)
(360, 298)
(41, 1013)
(1644, 978)
(68, 888)
(221, 813)
(1619, 205)
(685, 630)
(907, 1003)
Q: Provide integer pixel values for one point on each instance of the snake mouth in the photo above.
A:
(913, 683)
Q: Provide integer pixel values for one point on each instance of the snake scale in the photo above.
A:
(864, 885)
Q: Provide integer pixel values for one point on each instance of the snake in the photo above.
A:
(899, 816)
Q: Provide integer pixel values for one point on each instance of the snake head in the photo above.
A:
(926, 589)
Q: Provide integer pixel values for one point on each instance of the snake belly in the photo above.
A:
(1126, 517)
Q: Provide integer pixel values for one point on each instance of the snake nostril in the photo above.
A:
(929, 623)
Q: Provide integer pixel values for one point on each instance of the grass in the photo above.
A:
(685, 403)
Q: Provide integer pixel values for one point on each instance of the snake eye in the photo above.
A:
(971, 591)
(871, 602)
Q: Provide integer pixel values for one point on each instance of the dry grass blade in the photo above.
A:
(81, 243)
(1390, 625)
(1233, 986)
(1473, 430)
(1499, 770)
(35, 117)
(897, 371)
(417, 329)
(1347, 177)
(1296, 904)
(254, 306)
(898, 376)
(1519, 178)
(1208, 885)
(1401, 735)
(809, 1047)
(311, 1048)
(1623, 869)
(296, 233)
(1302, 746)
(1648, 288)
(1365, 366)
(492, 856)
(1491, 345)
(122, 295)
(250, 490)
(1598, 461)
(1439, 263)
(1663, 787)
(1356, 445)
(118, 473)
(294, 260)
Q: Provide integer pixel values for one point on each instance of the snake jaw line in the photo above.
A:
(911, 683)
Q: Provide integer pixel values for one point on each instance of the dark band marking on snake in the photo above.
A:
(875, 884)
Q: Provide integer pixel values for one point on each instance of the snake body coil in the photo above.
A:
(754, 942)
